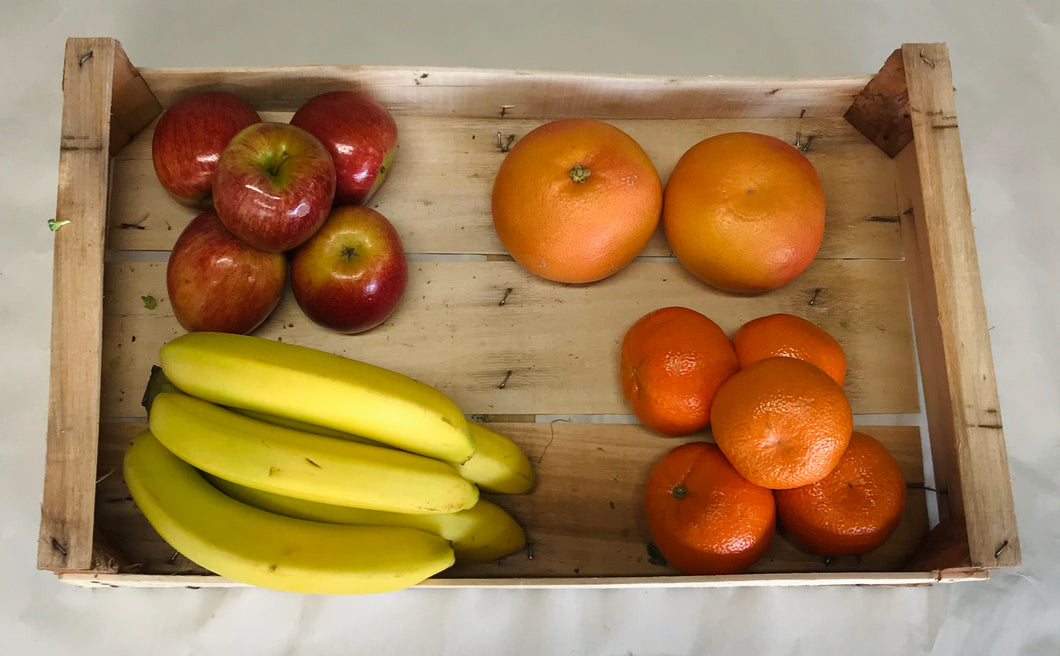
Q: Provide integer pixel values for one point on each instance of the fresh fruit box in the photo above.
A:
(896, 281)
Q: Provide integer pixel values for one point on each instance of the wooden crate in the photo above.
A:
(898, 262)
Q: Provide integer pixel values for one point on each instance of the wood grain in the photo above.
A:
(133, 106)
(970, 423)
(65, 540)
(486, 93)
(772, 580)
(933, 374)
(560, 342)
(584, 515)
(437, 193)
(105, 103)
(881, 110)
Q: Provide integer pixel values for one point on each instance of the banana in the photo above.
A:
(303, 426)
(319, 388)
(305, 465)
(499, 465)
(264, 549)
(158, 383)
(481, 533)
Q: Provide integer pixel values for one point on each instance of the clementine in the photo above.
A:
(782, 422)
(744, 212)
(854, 509)
(704, 517)
(790, 336)
(673, 360)
(575, 200)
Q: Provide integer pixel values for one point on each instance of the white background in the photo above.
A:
(1006, 58)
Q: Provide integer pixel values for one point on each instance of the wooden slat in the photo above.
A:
(65, 540)
(584, 515)
(484, 93)
(438, 190)
(105, 103)
(913, 579)
(971, 421)
(924, 304)
(559, 341)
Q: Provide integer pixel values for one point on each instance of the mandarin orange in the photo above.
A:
(673, 360)
(854, 509)
(782, 422)
(705, 518)
(790, 336)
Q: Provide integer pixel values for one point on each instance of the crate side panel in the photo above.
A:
(906, 579)
(65, 540)
(925, 310)
(488, 93)
(979, 443)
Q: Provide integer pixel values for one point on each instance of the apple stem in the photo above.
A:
(580, 173)
(274, 167)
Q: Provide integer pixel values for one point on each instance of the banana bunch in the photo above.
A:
(289, 468)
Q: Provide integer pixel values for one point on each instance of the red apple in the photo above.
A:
(274, 186)
(218, 283)
(351, 274)
(361, 136)
(189, 139)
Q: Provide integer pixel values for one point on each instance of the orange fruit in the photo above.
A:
(854, 509)
(575, 200)
(704, 517)
(790, 336)
(744, 212)
(782, 422)
(673, 361)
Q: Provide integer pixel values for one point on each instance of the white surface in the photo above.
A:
(1005, 69)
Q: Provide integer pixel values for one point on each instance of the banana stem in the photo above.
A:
(156, 384)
